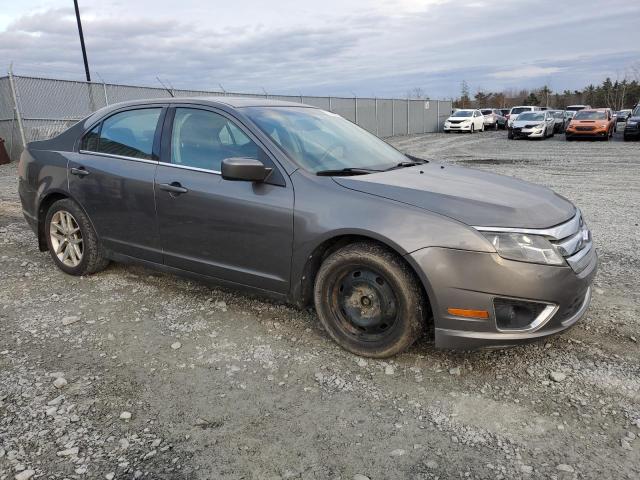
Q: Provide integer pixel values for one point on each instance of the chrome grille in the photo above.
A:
(573, 241)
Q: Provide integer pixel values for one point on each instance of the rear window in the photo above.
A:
(519, 110)
(486, 112)
(129, 134)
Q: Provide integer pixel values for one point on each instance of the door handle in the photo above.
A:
(173, 188)
(80, 171)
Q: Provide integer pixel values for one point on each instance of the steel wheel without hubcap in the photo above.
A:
(66, 238)
(364, 304)
(369, 301)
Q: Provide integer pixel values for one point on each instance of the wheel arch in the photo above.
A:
(43, 207)
(303, 290)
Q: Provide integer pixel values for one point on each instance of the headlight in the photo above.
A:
(525, 248)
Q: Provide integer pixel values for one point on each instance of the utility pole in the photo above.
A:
(84, 50)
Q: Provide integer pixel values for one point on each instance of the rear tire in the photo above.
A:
(369, 301)
(71, 239)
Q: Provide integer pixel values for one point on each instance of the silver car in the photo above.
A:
(540, 124)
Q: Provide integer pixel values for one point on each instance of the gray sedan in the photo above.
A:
(300, 204)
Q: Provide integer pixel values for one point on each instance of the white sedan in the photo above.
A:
(465, 120)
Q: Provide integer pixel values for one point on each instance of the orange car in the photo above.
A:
(591, 123)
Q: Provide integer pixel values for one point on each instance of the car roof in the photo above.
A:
(236, 102)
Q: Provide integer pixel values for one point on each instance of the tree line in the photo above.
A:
(613, 94)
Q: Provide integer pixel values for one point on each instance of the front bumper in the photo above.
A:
(527, 133)
(457, 127)
(572, 133)
(472, 280)
(632, 132)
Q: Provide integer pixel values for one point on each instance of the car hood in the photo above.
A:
(459, 118)
(597, 123)
(522, 123)
(470, 196)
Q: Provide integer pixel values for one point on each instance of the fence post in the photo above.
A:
(438, 118)
(424, 117)
(393, 117)
(330, 105)
(408, 108)
(16, 107)
(355, 103)
(377, 122)
(106, 97)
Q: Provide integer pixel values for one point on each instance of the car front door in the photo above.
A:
(236, 231)
(111, 176)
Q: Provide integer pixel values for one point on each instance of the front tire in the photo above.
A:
(369, 301)
(71, 239)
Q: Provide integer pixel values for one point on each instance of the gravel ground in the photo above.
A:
(134, 374)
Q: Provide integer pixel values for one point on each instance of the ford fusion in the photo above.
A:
(302, 205)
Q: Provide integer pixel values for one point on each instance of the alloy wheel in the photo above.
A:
(66, 238)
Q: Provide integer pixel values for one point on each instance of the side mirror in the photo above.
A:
(244, 170)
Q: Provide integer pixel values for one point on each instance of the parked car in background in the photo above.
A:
(505, 112)
(632, 127)
(464, 120)
(591, 123)
(622, 115)
(560, 120)
(276, 197)
(538, 124)
(515, 111)
(493, 118)
(577, 108)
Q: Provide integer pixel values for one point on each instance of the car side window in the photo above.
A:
(90, 140)
(202, 139)
(129, 134)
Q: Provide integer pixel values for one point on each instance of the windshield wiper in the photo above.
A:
(346, 171)
(410, 163)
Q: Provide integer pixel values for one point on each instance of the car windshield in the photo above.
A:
(318, 140)
(636, 112)
(519, 110)
(590, 115)
(463, 113)
(531, 116)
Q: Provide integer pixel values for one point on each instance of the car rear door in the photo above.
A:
(111, 176)
(240, 232)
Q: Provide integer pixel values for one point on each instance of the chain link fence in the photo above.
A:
(34, 108)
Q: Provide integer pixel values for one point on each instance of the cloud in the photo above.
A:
(366, 47)
(529, 71)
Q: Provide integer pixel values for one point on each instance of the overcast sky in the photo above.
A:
(328, 47)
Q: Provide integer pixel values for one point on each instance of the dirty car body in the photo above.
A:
(281, 200)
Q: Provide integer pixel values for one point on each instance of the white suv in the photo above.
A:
(465, 120)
